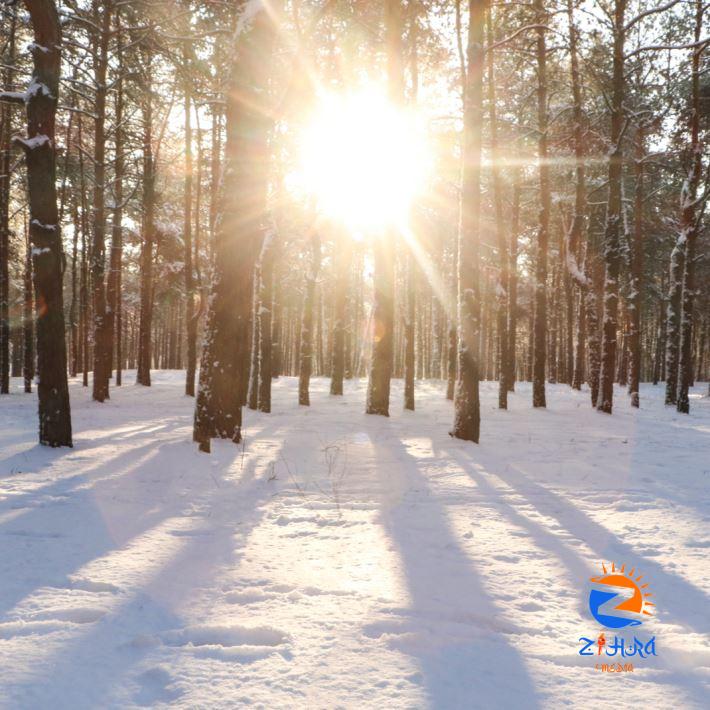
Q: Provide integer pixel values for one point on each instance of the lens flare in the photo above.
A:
(363, 160)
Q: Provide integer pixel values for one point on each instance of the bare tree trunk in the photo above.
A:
(28, 356)
(591, 300)
(277, 329)
(635, 300)
(5, 169)
(265, 300)
(381, 362)
(540, 278)
(306, 349)
(689, 226)
(660, 339)
(146, 263)
(45, 236)
(576, 247)
(190, 315)
(580, 340)
(83, 267)
(409, 320)
(513, 281)
(238, 231)
(102, 344)
(252, 398)
(113, 286)
(467, 408)
(675, 291)
(342, 269)
(503, 282)
(612, 247)
(73, 306)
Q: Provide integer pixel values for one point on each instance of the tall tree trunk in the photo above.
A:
(277, 329)
(689, 226)
(513, 281)
(612, 246)
(381, 361)
(265, 345)
(579, 345)
(675, 291)
(45, 235)
(502, 285)
(73, 307)
(409, 334)
(540, 277)
(252, 398)
(28, 358)
(306, 349)
(238, 231)
(190, 315)
(634, 299)
(591, 300)
(660, 339)
(576, 247)
(410, 273)
(113, 286)
(342, 270)
(5, 167)
(146, 260)
(467, 408)
(84, 267)
(102, 344)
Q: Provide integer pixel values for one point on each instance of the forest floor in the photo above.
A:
(340, 559)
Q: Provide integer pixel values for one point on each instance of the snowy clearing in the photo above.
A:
(340, 559)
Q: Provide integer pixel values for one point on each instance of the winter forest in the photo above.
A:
(348, 349)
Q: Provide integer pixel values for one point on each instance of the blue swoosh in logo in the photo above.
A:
(597, 599)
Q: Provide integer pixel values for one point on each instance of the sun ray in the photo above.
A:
(363, 159)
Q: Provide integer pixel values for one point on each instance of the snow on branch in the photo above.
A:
(13, 97)
(574, 271)
(515, 34)
(659, 47)
(650, 11)
(32, 143)
(44, 227)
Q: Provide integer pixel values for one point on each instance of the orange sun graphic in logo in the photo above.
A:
(625, 584)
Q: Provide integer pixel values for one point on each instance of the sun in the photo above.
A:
(363, 160)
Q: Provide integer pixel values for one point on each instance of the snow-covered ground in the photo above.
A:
(345, 560)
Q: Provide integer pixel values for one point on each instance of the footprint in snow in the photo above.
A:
(91, 585)
(233, 643)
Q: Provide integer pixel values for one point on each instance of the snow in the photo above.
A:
(15, 96)
(38, 251)
(33, 143)
(341, 559)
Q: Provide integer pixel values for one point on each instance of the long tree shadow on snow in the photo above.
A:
(452, 627)
(154, 607)
(64, 529)
(574, 564)
(94, 501)
(685, 603)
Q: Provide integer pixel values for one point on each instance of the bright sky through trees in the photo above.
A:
(363, 160)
